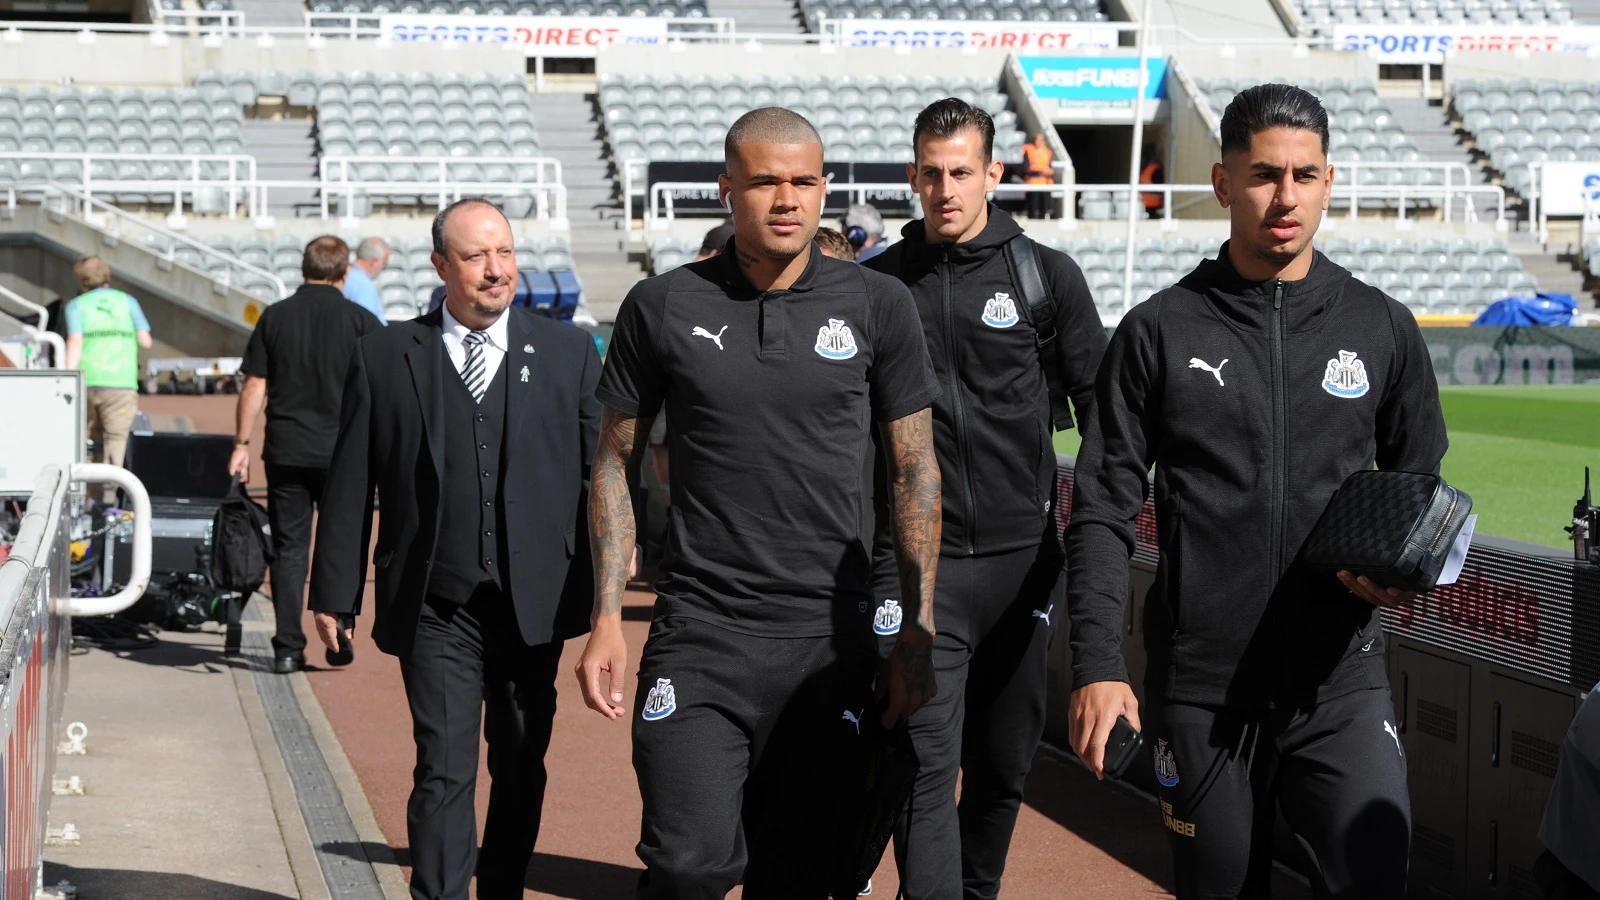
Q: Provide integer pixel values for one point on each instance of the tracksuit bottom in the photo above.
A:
(750, 753)
(1336, 768)
(993, 617)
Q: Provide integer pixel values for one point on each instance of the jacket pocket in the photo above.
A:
(572, 543)
(383, 560)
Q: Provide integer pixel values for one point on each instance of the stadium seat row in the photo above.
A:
(1321, 15)
(1520, 122)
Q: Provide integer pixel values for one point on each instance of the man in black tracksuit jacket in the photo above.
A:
(998, 592)
(1254, 399)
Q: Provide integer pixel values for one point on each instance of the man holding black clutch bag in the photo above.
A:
(1254, 386)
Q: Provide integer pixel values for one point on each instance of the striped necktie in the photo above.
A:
(473, 372)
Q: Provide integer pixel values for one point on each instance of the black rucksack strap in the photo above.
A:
(1039, 306)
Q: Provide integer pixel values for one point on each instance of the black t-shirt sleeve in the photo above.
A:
(632, 380)
(901, 378)
(255, 353)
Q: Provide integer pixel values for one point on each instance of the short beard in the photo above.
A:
(1280, 256)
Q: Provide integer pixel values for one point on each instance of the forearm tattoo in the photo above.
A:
(916, 495)
(612, 530)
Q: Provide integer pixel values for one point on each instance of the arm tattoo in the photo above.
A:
(916, 497)
(611, 524)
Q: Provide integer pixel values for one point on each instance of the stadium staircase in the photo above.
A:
(1430, 128)
(284, 151)
(759, 16)
(272, 13)
(569, 130)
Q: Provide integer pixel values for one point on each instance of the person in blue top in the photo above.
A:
(372, 255)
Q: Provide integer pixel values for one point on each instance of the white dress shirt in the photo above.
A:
(494, 349)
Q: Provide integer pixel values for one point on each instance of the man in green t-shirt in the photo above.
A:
(105, 329)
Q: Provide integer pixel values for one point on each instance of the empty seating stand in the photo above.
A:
(954, 10)
(205, 120)
(684, 119)
(1319, 16)
(1361, 129)
(404, 285)
(1428, 276)
(1514, 123)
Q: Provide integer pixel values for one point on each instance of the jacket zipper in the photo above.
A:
(957, 404)
(1280, 414)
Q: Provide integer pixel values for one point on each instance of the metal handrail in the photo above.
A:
(232, 183)
(443, 163)
(88, 205)
(139, 571)
(32, 307)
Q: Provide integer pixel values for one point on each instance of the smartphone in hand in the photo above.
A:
(1122, 748)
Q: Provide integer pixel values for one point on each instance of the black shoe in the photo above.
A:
(283, 665)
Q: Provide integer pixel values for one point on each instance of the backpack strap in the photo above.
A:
(1039, 307)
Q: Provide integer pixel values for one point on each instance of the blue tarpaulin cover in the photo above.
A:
(1544, 309)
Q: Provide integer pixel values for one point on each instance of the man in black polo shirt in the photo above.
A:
(773, 362)
(294, 365)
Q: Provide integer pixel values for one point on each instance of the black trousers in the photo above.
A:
(1336, 768)
(1038, 205)
(293, 493)
(469, 665)
(749, 752)
(994, 617)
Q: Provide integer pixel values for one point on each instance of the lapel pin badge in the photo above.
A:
(524, 374)
(527, 348)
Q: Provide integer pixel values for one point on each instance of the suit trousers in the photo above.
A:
(293, 492)
(468, 667)
(994, 617)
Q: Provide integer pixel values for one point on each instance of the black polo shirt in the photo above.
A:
(302, 346)
(772, 397)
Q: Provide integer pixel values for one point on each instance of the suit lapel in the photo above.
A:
(426, 373)
(521, 356)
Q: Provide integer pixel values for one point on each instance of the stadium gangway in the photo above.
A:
(547, 188)
(241, 171)
(36, 334)
(65, 199)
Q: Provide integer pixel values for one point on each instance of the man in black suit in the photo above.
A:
(476, 424)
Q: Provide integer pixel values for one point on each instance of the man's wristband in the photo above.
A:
(243, 443)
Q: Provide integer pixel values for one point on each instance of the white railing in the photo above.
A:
(184, 22)
(241, 171)
(334, 171)
(1352, 190)
(40, 333)
(65, 199)
(17, 299)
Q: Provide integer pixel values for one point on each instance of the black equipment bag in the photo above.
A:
(1039, 307)
(1396, 528)
(890, 776)
(242, 545)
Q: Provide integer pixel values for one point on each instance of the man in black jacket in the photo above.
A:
(476, 425)
(1254, 386)
(1000, 569)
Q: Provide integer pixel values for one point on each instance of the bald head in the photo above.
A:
(768, 125)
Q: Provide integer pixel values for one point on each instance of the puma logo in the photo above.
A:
(1045, 614)
(1216, 372)
(854, 719)
(713, 338)
(1394, 734)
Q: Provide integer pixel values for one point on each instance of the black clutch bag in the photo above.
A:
(890, 776)
(1396, 528)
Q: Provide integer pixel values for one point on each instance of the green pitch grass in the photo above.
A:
(1519, 451)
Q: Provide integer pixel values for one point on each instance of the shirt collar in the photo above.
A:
(733, 275)
(497, 332)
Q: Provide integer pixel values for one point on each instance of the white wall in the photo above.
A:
(1272, 61)
(799, 59)
(132, 60)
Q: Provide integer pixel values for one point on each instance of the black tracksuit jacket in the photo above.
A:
(991, 421)
(1246, 459)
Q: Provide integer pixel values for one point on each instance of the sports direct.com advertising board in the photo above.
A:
(1415, 44)
(1023, 37)
(566, 36)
